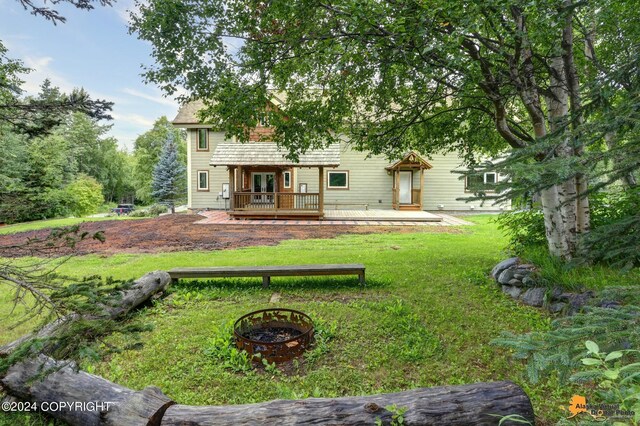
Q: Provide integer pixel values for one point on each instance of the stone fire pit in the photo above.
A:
(277, 334)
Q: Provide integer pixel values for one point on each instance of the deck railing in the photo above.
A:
(303, 201)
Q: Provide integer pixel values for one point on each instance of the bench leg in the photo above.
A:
(266, 280)
(174, 281)
(361, 278)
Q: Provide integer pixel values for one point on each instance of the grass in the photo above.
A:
(55, 223)
(426, 318)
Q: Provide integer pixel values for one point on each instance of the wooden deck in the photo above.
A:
(266, 272)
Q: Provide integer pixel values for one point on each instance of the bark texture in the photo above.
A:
(49, 382)
(477, 404)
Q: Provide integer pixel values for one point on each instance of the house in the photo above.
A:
(255, 180)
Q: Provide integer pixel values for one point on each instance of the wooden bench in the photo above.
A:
(266, 272)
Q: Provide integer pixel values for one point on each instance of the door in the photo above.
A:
(263, 182)
(406, 185)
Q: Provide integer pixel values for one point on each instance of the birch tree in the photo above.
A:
(475, 77)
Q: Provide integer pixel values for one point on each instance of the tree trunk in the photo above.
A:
(476, 404)
(141, 291)
(96, 401)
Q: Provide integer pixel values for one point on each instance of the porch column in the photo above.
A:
(421, 186)
(396, 189)
(321, 189)
(232, 186)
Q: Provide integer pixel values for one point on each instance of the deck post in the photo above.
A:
(321, 190)
(421, 186)
(232, 186)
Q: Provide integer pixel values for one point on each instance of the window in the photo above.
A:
(202, 136)
(287, 179)
(481, 182)
(338, 179)
(203, 180)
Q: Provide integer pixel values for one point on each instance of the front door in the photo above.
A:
(406, 185)
(263, 182)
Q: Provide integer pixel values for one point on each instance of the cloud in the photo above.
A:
(149, 97)
(41, 69)
(133, 119)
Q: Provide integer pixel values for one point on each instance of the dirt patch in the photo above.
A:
(180, 233)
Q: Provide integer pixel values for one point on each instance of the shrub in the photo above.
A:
(154, 210)
(525, 228)
(85, 195)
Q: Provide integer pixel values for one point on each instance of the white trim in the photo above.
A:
(200, 172)
(345, 172)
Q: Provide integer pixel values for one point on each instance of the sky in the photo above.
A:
(92, 50)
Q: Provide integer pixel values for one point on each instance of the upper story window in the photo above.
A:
(481, 182)
(337, 179)
(202, 140)
(287, 179)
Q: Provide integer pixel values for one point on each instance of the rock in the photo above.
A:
(512, 291)
(527, 266)
(506, 276)
(556, 293)
(557, 307)
(518, 276)
(515, 282)
(528, 281)
(507, 263)
(578, 300)
(533, 296)
(611, 304)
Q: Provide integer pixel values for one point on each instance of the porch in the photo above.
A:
(263, 183)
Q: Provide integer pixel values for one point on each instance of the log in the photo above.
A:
(94, 400)
(43, 379)
(140, 291)
(475, 404)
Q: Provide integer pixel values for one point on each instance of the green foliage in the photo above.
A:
(154, 210)
(147, 151)
(221, 347)
(618, 380)
(615, 237)
(524, 228)
(560, 350)
(397, 415)
(85, 195)
(169, 175)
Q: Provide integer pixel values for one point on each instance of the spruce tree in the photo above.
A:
(168, 174)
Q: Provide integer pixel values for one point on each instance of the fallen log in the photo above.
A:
(140, 291)
(58, 389)
(43, 379)
(475, 404)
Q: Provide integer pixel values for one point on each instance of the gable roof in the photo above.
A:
(411, 159)
(269, 154)
(188, 113)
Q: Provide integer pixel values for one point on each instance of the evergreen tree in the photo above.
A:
(168, 175)
(147, 151)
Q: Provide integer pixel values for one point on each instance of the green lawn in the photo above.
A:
(426, 318)
(56, 223)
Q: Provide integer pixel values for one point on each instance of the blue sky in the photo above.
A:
(91, 50)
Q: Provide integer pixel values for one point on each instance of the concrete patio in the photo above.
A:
(344, 217)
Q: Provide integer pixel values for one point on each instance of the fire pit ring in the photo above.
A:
(277, 334)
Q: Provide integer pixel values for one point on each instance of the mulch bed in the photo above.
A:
(180, 233)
